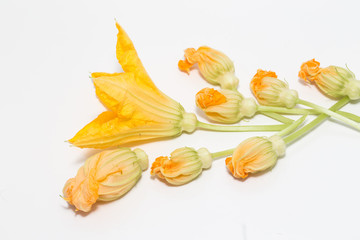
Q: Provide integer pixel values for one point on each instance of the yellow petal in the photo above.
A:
(107, 100)
(129, 60)
(137, 109)
(108, 130)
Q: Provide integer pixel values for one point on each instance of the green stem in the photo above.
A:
(278, 117)
(321, 118)
(348, 115)
(330, 113)
(298, 111)
(292, 126)
(253, 128)
(285, 131)
(222, 153)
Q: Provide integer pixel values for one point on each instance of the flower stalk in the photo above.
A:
(250, 128)
(283, 132)
(310, 126)
(331, 113)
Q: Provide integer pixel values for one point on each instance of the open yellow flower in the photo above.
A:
(254, 155)
(215, 66)
(336, 82)
(105, 176)
(138, 110)
(184, 165)
(270, 91)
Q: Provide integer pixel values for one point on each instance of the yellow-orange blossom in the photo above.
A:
(137, 109)
(335, 82)
(105, 176)
(214, 66)
(270, 91)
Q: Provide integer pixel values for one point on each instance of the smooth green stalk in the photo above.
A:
(278, 117)
(297, 111)
(292, 126)
(310, 126)
(348, 115)
(272, 112)
(285, 131)
(222, 153)
(330, 113)
(253, 128)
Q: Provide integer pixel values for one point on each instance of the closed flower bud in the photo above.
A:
(270, 91)
(184, 165)
(254, 155)
(335, 82)
(225, 106)
(214, 66)
(105, 176)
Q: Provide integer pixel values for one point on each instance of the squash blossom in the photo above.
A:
(184, 165)
(105, 176)
(225, 106)
(335, 82)
(137, 109)
(270, 91)
(214, 66)
(254, 155)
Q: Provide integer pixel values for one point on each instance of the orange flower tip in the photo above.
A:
(184, 66)
(155, 167)
(260, 74)
(208, 97)
(189, 52)
(309, 70)
(183, 166)
(225, 106)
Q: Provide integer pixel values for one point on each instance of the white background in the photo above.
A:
(48, 49)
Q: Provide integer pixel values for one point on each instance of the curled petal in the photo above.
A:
(209, 97)
(105, 176)
(309, 70)
(257, 83)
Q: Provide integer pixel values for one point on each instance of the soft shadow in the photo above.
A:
(355, 101)
(303, 82)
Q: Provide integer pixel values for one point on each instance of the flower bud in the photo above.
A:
(335, 82)
(184, 165)
(214, 66)
(254, 155)
(270, 91)
(105, 176)
(225, 106)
